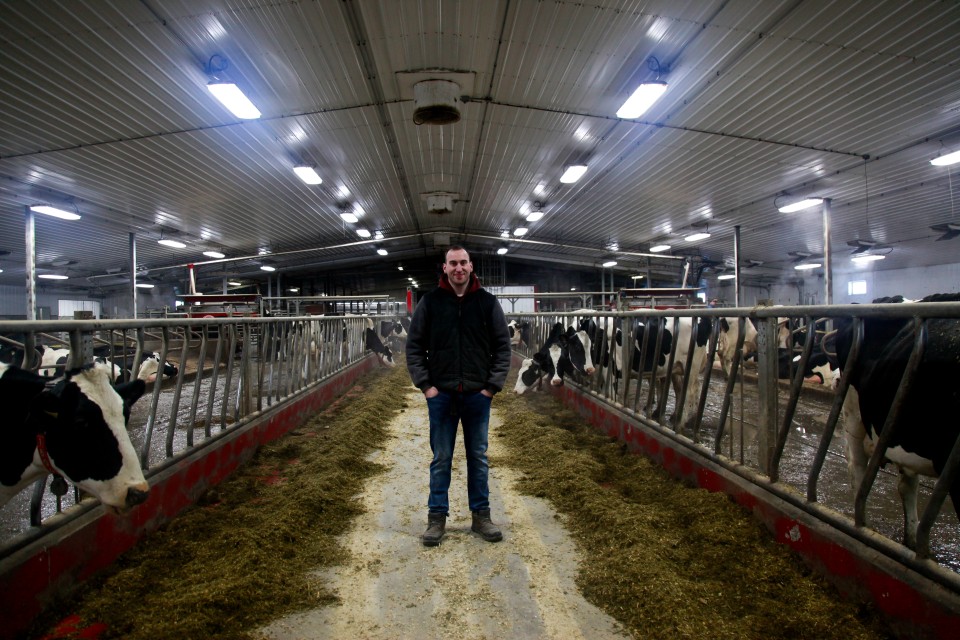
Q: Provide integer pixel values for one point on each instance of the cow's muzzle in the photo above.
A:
(136, 496)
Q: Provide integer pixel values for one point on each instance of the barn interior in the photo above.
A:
(430, 123)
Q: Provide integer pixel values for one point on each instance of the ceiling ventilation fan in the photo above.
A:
(862, 246)
(950, 230)
(800, 256)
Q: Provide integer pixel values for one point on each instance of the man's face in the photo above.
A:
(458, 267)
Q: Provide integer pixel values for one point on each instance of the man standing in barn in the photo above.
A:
(458, 354)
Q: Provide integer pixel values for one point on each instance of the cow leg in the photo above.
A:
(907, 487)
(854, 436)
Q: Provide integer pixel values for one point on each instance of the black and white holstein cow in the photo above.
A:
(372, 342)
(727, 341)
(54, 361)
(519, 333)
(685, 330)
(565, 353)
(392, 331)
(926, 426)
(75, 428)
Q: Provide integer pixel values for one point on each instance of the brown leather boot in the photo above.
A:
(436, 526)
(483, 525)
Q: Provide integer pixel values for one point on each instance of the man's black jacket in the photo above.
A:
(459, 343)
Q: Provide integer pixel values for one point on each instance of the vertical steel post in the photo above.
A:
(736, 266)
(767, 374)
(133, 272)
(827, 260)
(31, 263)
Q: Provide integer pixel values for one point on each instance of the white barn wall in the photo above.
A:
(913, 282)
(13, 301)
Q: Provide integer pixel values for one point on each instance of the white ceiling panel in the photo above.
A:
(104, 110)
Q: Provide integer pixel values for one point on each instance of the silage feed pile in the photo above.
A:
(666, 560)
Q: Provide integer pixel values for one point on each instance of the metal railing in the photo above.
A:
(780, 429)
(228, 371)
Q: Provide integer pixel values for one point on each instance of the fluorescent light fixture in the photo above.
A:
(234, 283)
(609, 263)
(214, 254)
(308, 174)
(378, 235)
(167, 242)
(382, 252)
(520, 231)
(232, 98)
(867, 257)
(502, 251)
(266, 267)
(573, 288)
(641, 100)
(659, 247)
(293, 290)
(806, 203)
(400, 267)
(53, 276)
(573, 173)
(950, 158)
(726, 276)
(504, 234)
(533, 216)
(350, 217)
(53, 211)
(700, 235)
(144, 285)
(806, 266)
(363, 233)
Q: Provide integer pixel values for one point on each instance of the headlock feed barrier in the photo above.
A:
(773, 437)
(239, 382)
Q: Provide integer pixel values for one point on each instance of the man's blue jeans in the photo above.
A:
(446, 411)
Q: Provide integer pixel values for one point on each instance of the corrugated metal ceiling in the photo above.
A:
(105, 110)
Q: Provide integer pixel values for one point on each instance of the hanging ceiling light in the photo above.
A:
(228, 93)
(657, 248)
(806, 203)
(950, 158)
(382, 251)
(645, 95)
(863, 258)
(267, 267)
(806, 266)
(573, 173)
(363, 233)
(53, 211)
(520, 231)
(308, 174)
(53, 276)
(214, 254)
(699, 235)
(609, 263)
(169, 242)
(502, 251)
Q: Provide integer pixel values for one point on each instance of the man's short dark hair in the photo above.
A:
(456, 247)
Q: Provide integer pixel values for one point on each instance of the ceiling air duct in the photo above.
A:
(436, 102)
